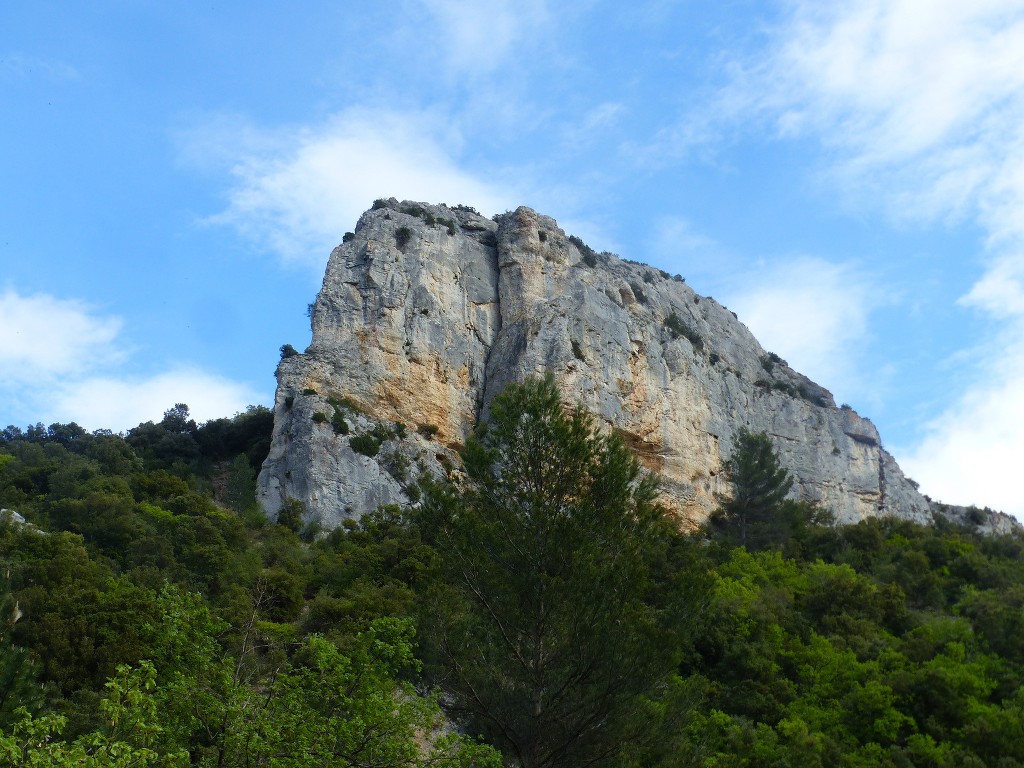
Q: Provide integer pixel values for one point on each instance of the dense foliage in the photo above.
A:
(150, 616)
(552, 623)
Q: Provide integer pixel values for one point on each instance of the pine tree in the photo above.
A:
(759, 487)
(554, 624)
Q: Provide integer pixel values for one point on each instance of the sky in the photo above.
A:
(847, 176)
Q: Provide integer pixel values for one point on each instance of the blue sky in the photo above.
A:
(847, 176)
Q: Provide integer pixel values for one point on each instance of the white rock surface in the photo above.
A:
(422, 323)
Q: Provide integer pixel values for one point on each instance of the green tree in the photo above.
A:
(126, 741)
(759, 487)
(554, 626)
(19, 688)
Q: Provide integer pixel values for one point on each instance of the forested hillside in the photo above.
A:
(151, 615)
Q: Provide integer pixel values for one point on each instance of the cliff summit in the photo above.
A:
(428, 311)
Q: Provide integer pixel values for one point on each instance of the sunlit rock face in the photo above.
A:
(427, 312)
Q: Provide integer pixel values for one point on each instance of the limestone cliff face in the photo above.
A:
(427, 312)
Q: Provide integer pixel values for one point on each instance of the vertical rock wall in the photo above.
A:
(427, 312)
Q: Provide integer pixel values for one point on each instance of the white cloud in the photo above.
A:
(924, 99)
(592, 125)
(119, 403)
(971, 454)
(478, 37)
(44, 337)
(61, 360)
(920, 106)
(298, 191)
(814, 314)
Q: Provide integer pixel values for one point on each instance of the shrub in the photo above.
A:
(287, 350)
(348, 237)
(378, 204)
(577, 351)
(365, 444)
(769, 361)
(320, 417)
(413, 492)
(677, 327)
(396, 464)
(427, 430)
(585, 250)
(402, 236)
(400, 430)
(380, 433)
(344, 403)
(649, 278)
(542, 236)
(638, 292)
(308, 391)
(679, 278)
(339, 423)
(288, 401)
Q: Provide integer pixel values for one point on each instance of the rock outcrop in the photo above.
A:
(427, 312)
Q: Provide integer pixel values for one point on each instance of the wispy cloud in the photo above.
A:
(815, 314)
(17, 65)
(922, 100)
(479, 37)
(63, 360)
(971, 453)
(919, 108)
(45, 337)
(296, 191)
(593, 125)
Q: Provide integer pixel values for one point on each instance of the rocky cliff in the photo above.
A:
(426, 312)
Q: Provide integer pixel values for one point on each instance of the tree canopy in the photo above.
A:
(150, 615)
(550, 629)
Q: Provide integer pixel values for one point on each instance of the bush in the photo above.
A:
(319, 417)
(402, 236)
(378, 204)
(427, 430)
(769, 361)
(677, 327)
(638, 292)
(287, 350)
(396, 464)
(344, 403)
(577, 351)
(339, 423)
(585, 250)
(348, 237)
(365, 444)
